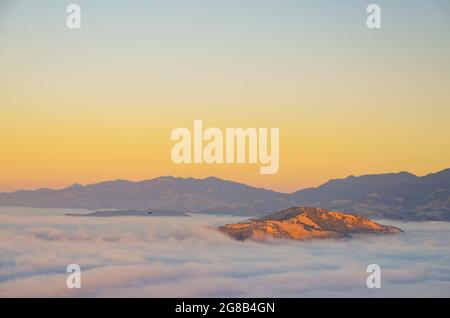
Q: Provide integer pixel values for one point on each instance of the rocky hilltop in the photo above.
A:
(305, 223)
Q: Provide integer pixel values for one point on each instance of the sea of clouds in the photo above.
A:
(187, 257)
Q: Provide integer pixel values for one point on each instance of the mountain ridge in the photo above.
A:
(401, 195)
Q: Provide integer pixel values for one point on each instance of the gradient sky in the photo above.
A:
(99, 103)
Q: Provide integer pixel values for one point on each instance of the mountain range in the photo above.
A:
(401, 195)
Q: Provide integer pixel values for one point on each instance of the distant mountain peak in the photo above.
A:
(212, 178)
(74, 186)
(162, 178)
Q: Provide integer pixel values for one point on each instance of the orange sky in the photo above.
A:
(100, 104)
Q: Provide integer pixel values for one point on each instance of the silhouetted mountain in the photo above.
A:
(394, 195)
(168, 193)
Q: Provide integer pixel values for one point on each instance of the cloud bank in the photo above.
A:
(186, 257)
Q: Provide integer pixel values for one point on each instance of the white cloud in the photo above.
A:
(174, 257)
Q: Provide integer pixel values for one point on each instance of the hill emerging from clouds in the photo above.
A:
(304, 223)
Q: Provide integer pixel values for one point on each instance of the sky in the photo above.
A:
(186, 257)
(99, 103)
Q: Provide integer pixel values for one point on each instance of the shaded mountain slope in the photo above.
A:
(394, 195)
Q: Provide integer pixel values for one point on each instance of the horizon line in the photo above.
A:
(221, 179)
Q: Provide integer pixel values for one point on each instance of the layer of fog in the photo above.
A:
(187, 257)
